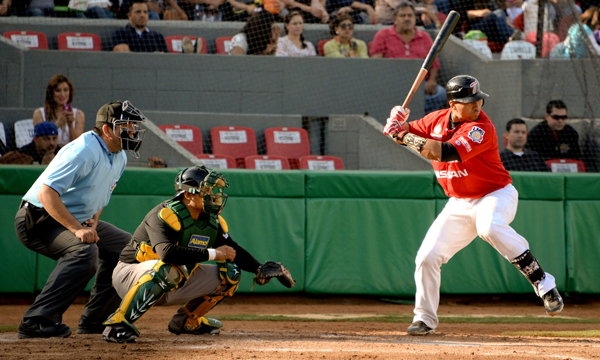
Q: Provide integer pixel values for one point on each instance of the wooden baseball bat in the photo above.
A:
(437, 46)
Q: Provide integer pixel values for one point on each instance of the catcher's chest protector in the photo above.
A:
(197, 234)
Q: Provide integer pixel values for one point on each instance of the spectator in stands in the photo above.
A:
(135, 36)
(553, 138)
(44, 145)
(530, 17)
(515, 156)
(483, 15)
(343, 44)
(293, 44)
(514, 8)
(361, 10)
(157, 10)
(313, 11)
(258, 37)
(5, 7)
(58, 110)
(403, 40)
(429, 16)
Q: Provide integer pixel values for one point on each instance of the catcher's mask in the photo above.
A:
(126, 122)
(207, 183)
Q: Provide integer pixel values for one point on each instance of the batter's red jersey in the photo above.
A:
(480, 171)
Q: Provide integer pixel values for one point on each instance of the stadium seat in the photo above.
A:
(235, 141)
(223, 45)
(187, 136)
(174, 43)
(318, 162)
(267, 162)
(217, 161)
(291, 143)
(566, 165)
(321, 47)
(3, 134)
(23, 132)
(479, 46)
(30, 39)
(79, 42)
(517, 49)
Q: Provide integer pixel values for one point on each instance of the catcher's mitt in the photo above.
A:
(272, 269)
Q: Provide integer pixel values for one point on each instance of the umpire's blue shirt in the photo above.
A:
(84, 173)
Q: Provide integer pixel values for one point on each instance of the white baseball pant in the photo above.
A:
(456, 226)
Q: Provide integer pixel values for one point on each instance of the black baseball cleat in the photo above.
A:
(39, 327)
(208, 326)
(87, 327)
(419, 328)
(553, 302)
(119, 333)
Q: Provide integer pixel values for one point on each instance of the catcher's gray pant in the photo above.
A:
(203, 281)
(454, 228)
(77, 263)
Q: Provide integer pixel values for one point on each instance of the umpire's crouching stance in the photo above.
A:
(59, 218)
(161, 265)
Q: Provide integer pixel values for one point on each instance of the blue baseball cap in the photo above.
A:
(45, 128)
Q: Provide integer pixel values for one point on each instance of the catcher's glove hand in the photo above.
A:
(272, 269)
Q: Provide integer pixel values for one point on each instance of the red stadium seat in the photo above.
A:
(174, 43)
(223, 45)
(187, 136)
(217, 161)
(79, 42)
(291, 143)
(321, 47)
(267, 162)
(318, 162)
(235, 141)
(30, 39)
(566, 165)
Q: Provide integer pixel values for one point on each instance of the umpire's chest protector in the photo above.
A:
(197, 234)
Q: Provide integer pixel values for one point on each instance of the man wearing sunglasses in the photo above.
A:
(59, 218)
(553, 138)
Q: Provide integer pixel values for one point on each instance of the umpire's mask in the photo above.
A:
(126, 122)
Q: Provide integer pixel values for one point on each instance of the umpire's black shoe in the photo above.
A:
(419, 328)
(553, 302)
(39, 327)
(89, 327)
(119, 333)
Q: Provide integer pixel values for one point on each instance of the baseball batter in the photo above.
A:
(462, 143)
(162, 264)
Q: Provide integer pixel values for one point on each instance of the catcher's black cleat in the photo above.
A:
(419, 328)
(39, 327)
(119, 334)
(208, 326)
(553, 302)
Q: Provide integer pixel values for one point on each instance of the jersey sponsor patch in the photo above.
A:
(437, 132)
(198, 241)
(449, 174)
(465, 143)
(476, 134)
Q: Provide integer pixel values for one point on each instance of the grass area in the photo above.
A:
(407, 318)
(9, 328)
(574, 334)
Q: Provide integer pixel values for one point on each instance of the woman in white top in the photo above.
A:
(57, 109)
(293, 44)
(258, 37)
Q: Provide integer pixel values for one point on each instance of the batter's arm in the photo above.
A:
(429, 148)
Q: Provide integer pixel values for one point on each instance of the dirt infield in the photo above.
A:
(324, 339)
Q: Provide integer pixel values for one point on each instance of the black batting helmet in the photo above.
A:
(464, 89)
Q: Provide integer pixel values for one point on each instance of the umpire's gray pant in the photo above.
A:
(77, 263)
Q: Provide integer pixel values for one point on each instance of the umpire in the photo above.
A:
(59, 218)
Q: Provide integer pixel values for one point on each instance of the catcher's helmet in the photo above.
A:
(206, 182)
(464, 89)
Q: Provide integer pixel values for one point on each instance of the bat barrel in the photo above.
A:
(441, 39)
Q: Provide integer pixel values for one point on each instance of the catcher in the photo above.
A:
(163, 262)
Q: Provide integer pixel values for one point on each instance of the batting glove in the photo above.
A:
(392, 127)
(399, 113)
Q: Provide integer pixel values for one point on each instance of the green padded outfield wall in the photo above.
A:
(350, 232)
